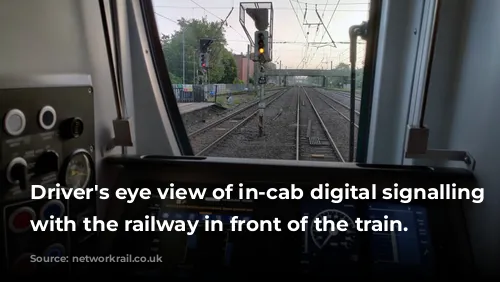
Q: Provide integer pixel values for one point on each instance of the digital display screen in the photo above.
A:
(323, 249)
(327, 254)
(404, 252)
(206, 252)
(396, 252)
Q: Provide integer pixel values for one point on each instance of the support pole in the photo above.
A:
(353, 32)
(248, 66)
(183, 59)
(262, 103)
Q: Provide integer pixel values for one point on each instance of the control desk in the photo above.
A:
(432, 246)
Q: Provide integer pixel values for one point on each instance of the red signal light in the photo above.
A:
(203, 65)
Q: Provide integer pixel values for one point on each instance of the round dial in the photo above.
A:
(78, 171)
(334, 239)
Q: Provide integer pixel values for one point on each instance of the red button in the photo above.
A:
(20, 220)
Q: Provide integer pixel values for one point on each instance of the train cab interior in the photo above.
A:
(89, 98)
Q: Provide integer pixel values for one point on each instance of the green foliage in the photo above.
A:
(175, 79)
(237, 81)
(222, 66)
(338, 82)
(230, 71)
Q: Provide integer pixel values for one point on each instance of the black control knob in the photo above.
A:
(71, 128)
(47, 162)
(17, 172)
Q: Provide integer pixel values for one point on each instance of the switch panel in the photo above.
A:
(42, 130)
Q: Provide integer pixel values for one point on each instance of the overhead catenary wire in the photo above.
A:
(216, 55)
(311, 57)
(303, 43)
(301, 28)
(294, 6)
(206, 10)
(298, 20)
(167, 18)
(274, 8)
(328, 4)
(330, 21)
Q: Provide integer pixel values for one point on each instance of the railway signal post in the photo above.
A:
(261, 51)
(204, 58)
(262, 15)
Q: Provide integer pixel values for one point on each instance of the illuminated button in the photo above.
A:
(23, 264)
(19, 220)
(14, 122)
(53, 255)
(47, 117)
(54, 207)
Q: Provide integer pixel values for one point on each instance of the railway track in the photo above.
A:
(345, 94)
(217, 131)
(231, 115)
(339, 103)
(313, 140)
(343, 115)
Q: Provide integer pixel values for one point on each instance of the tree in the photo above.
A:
(175, 79)
(237, 81)
(340, 81)
(230, 71)
(190, 31)
(359, 78)
(343, 67)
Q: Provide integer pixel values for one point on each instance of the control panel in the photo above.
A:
(313, 253)
(47, 139)
(427, 241)
(325, 254)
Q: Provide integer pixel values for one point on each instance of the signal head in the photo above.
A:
(261, 46)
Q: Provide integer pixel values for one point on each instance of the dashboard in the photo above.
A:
(325, 252)
(432, 245)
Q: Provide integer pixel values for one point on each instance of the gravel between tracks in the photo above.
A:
(278, 141)
(198, 119)
(200, 141)
(336, 124)
(308, 116)
(280, 130)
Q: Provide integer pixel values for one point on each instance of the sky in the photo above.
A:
(289, 30)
